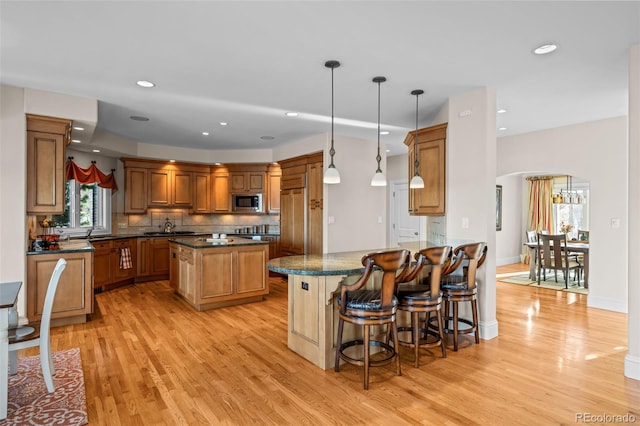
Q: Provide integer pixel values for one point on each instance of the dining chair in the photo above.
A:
(418, 295)
(553, 256)
(459, 286)
(366, 307)
(38, 334)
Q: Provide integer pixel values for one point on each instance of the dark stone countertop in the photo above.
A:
(202, 243)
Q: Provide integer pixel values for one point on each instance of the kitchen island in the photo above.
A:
(208, 273)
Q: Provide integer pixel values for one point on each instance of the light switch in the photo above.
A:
(331, 219)
(379, 219)
(465, 223)
(615, 223)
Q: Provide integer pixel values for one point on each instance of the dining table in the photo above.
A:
(8, 297)
(572, 246)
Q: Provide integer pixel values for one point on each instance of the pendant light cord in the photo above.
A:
(378, 157)
(416, 164)
(332, 151)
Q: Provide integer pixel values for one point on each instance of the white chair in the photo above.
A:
(38, 335)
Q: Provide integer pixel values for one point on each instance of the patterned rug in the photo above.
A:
(29, 402)
(522, 278)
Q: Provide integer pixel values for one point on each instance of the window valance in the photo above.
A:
(90, 175)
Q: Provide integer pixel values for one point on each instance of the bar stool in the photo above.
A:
(425, 298)
(361, 306)
(459, 288)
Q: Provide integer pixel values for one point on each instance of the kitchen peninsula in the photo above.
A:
(213, 273)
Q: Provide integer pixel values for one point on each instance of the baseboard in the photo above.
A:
(508, 260)
(607, 304)
(632, 367)
(488, 330)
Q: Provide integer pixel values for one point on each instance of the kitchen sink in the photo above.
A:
(170, 233)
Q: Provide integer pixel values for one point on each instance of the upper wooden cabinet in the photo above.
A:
(221, 195)
(247, 178)
(170, 188)
(47, 138)
(314, 188)
(202, 192)
(135, 193)
(431, 149)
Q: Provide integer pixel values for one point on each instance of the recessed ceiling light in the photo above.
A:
(291, 114)
(502, 111)
(138, 118)
(222, 123)
(502, 128)
(95, 150)
(145, 83)
(545, 48)
(267, 138)
(76, 140)
(384, 132)
(78, 128)
(205, 133)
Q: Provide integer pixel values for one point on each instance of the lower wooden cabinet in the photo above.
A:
(274, 245)
(153, 257)
(74, 296)
(109, 267)
(221, 276)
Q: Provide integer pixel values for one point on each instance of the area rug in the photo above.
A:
(522, 278)
(30, 404)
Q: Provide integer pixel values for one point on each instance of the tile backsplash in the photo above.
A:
(155, 219)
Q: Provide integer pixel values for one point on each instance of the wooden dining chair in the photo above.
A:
(38, 334)
(554, 256)
(366, 307)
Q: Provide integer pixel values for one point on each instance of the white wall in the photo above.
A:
(13, 161)
(595, 152)
(509, 239)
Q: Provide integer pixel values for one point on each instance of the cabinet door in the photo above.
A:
(135, 195)
(119, 271)
(221, 195)
(143, 257)
(74, 296)
(239, 182)
(314, 220)
(159, 187)
(45, 173)
(159, 256)
(174, 265)
(181, 188)
(102, 264)
(292, 221)
(217, 274)
(273, 192)
(202, 193)
(255, 181)
(187, 274)
(430, 200)
(250, 270)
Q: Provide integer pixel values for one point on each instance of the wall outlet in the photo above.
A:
(465, 223)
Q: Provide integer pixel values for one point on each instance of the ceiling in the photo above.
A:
(247, 63)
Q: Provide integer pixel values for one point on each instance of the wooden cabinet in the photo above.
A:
(135, 193)
(315, 205)
(214, 277)
(174, 264)
(74, 296)
(292, 221)
(153, 257)
(252, 181)
(108, 266)
(201, 192)
(47, 138)
(169, 188)
(221, 193)
(274, 176)
(431, 150)
(301, 204)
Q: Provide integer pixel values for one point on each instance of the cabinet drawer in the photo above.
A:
(297, 180)
(102, 245)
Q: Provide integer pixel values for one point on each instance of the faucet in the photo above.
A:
(89, 231)
(168, 226)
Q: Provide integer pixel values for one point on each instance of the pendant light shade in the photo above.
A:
(331, 175)
(379, 179)
(416, 181)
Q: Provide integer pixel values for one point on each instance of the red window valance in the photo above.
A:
(90, 175)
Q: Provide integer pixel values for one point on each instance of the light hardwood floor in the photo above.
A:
(149, 359)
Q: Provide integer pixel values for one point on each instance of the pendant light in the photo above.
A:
(331, 175)
(379, 179)
(416, 180)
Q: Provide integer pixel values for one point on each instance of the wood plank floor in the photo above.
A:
(149, 359)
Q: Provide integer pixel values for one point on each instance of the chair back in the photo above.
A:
(473, 255)
(532, 237)
(550, 250)
(45, 321)
(436, 257)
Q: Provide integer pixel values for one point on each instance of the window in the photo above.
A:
(87, 207)
(574, 214)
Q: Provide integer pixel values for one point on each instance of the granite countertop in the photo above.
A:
(345, 263)
(199, 243)
(73, 246)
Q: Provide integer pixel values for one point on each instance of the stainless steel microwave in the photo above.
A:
(250, 203)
